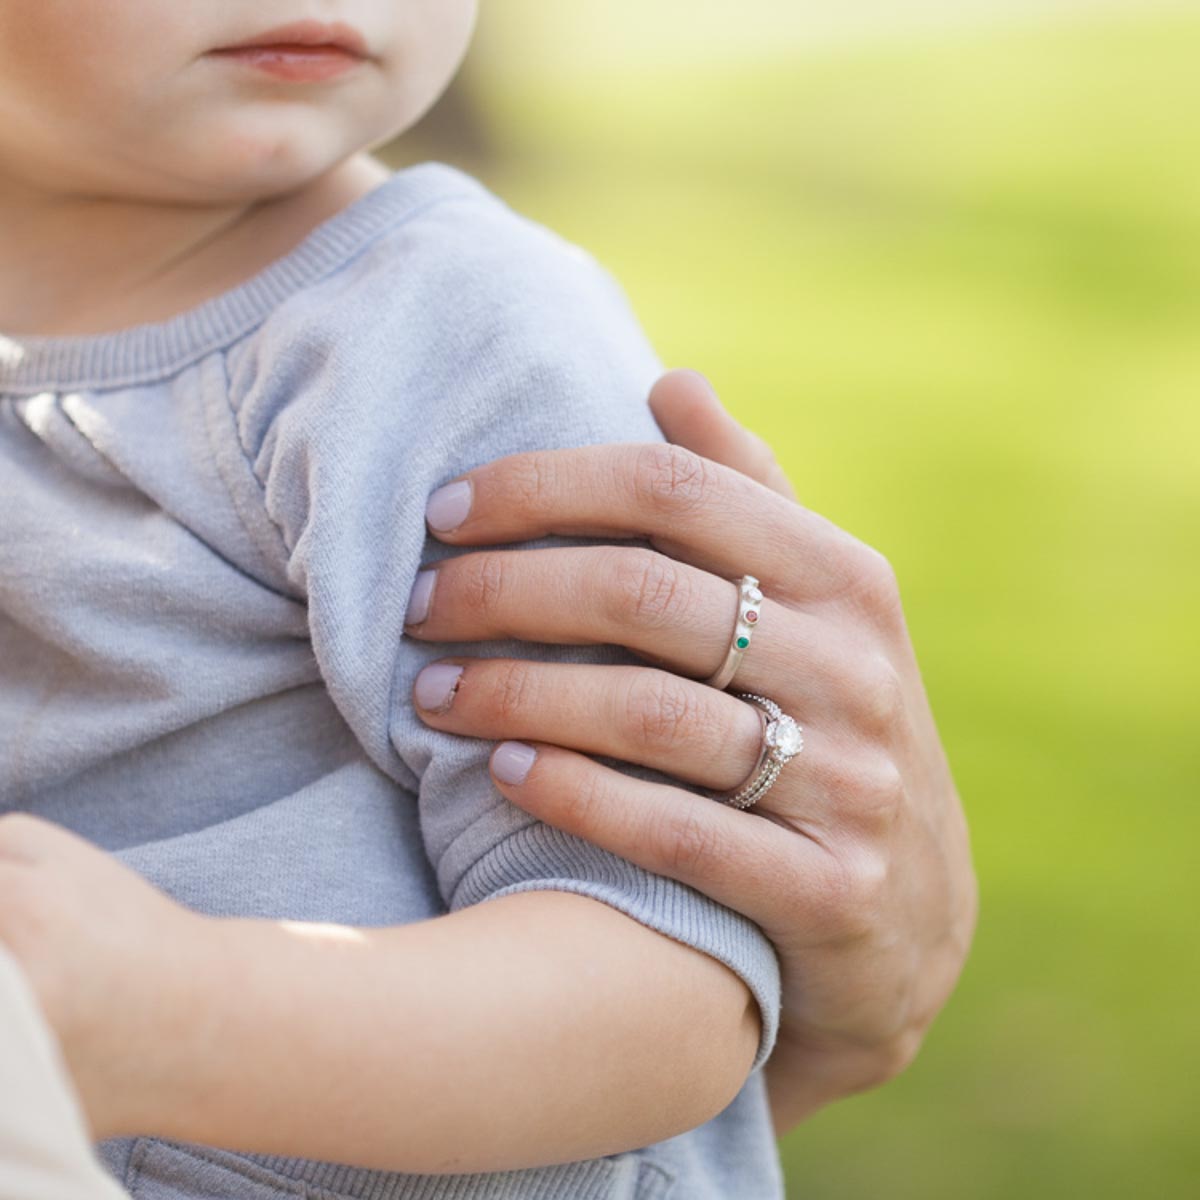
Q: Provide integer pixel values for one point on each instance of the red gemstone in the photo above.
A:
(752, 617)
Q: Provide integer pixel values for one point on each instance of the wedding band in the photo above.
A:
(782, 740)
(749, 610)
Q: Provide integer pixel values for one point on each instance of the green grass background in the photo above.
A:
(956, 281)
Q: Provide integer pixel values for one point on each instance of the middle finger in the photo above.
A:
(675, 614)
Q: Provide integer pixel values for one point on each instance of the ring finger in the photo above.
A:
(653, 719)
(636, 714)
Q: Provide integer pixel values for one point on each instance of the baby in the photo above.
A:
(238, 356)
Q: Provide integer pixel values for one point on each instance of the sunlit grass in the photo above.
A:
(958, 286)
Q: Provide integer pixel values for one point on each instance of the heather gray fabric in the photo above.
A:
(208, 532)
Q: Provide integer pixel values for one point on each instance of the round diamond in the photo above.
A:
(754, 595)
(785, 737)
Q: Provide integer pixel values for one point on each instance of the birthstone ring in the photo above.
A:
(749, 610)
(782, 740)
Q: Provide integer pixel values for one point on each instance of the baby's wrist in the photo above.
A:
(172, 1073)
(228, 1007)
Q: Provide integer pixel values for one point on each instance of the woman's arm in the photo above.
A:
(536, 1028)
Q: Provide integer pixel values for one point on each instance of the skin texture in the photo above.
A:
(856, 864)
(530, 1033)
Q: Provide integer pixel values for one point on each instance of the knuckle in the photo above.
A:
(869, 791)
(512, 694)
(670, 478)
(686, 844)
(875, 587)
(885, 793)
(877, 700)
(870, 880)
(649, 587)
(856, 894)
(660, 711)
(528, 482)
(864, 578)
(483, 583)
(586, 798)
(583, 799)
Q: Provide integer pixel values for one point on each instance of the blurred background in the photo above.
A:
(945, 255)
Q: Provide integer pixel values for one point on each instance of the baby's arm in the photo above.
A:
(535, 1028)
(538, 1028)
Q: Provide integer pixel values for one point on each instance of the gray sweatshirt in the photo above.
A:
(209, 528)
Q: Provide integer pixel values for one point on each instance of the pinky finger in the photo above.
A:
(747, 863)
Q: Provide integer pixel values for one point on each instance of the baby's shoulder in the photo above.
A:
(455, 307)
(461, 265)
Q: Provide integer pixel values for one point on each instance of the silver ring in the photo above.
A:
(749, 610)
(782, 740)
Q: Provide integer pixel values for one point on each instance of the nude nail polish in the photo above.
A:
(449, 506)
(512, 762)
(421, 598)
(436, 685)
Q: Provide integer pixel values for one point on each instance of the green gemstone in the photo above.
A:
(743, 642)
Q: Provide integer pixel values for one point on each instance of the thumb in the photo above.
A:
(687, 409)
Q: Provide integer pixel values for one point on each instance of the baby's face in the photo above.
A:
(144, 98)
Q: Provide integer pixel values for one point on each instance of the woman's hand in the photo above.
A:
(856, 863)
(112, 961)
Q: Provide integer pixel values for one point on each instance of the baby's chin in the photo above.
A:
(244, 161)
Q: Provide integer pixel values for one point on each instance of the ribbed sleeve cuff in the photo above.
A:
(541, 858)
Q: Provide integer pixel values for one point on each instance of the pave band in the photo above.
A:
(749, 610)
(782, 740)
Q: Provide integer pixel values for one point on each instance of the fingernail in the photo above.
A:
(511, 762)
(436, 686)
(422, 594)
(448, 506)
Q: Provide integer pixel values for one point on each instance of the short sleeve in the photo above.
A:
(459, 336)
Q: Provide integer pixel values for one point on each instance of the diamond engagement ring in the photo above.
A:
(782, 740)
(749, 610)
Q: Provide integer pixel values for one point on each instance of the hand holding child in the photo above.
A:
(857, 864)
(109, 958)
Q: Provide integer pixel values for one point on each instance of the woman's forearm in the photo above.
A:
(538, 1028)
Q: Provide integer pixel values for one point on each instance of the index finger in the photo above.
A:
(689, 507)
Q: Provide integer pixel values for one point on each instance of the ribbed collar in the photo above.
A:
(150, 352)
